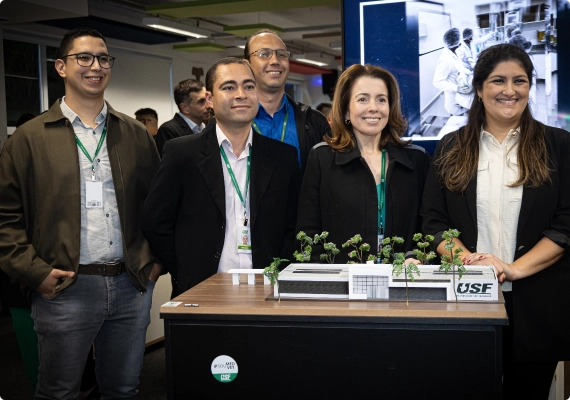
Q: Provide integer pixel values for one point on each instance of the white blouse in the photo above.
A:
(498, 205)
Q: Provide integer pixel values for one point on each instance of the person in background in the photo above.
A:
(502, 181)
(149, 118)
(364, 179)
(450, 75)
(227, 197)
(72, 185)
(279, 116)
(193, 115)
(467, 52)
(326, 110)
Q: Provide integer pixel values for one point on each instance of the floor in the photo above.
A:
(14, 385)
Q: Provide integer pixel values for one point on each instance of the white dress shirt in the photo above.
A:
(194, 126)
(498, 205)
(100, 236)
(230, 257)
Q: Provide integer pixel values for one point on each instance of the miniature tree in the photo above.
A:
(330, 248)
(452, 260)
(272, 273)
(358, 250)
(423, 244)
(306, 247)
(399, 261)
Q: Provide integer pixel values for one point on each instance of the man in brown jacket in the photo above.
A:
(72, 186)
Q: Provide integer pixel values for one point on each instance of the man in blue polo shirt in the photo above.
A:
(279, 116)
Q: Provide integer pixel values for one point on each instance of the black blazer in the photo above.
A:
(174, 128)
(338, 195)
(540, 302)
(185, 212)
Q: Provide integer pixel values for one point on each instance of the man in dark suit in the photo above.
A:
(194, 113)
(216, 187)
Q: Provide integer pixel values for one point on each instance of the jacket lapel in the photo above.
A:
(528, 198)
(262, 168)
(211, 168)
(113, 143)
(471, 196)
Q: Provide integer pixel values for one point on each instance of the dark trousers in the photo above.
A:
(521, 379)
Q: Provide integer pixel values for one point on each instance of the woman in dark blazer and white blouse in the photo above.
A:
(503, 181)
(365, 179)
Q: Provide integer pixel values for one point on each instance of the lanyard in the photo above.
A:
(282, 130)
(84, 150)
(381, 190)
(234, 180)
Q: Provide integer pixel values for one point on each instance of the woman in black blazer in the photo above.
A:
(342, 190)
(503, 181)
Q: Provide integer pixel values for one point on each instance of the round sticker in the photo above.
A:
(224, 369)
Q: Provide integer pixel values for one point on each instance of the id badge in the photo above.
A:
(244, 240)
(93, 194)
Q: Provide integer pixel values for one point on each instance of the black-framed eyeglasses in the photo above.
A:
(268, 53)
(87, 59)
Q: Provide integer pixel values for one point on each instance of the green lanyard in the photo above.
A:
(382, 197)
(234, 180)
(84, 150)
(282, 130)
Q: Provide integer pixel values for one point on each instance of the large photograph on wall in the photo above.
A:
(432, 46)
(452, 34)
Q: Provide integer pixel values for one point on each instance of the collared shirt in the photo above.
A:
(273, 126)
(194, 126)
(498, 205)
(101, 238)
(230, 257)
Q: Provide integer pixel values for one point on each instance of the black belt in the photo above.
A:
(106, 269)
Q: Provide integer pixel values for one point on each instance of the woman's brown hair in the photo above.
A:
(342, 134)
(458, 164)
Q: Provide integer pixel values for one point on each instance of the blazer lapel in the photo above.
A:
(471, 196)
(262, 168)
(528, 198)
(211, 169)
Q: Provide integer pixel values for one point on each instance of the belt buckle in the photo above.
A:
(111, 264)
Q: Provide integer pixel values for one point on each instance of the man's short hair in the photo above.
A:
(322, 106)
(67, 41)
(184, 88)
(211, 74)
(246, 51)
(146, 111)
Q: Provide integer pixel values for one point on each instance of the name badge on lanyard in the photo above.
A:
(243, 232)
(93, 188)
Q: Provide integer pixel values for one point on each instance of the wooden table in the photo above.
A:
(316, 349)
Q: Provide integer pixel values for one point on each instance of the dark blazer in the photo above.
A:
(185, 212)
(339, 195)
(540, 302)
(174, 128)
(311, 127)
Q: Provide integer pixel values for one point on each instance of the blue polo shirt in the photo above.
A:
(273, 126)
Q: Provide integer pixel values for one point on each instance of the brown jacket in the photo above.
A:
(40, 213)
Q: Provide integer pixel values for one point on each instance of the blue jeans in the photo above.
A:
(105, 310)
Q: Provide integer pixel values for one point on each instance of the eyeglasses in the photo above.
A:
(87, 59)
(268, 53)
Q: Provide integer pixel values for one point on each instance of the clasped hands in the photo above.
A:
(504, 271)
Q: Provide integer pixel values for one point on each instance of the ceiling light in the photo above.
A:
(318, 59)
(336, 45)
(175, 27)
(239, 43)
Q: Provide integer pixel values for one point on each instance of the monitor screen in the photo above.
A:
(431, 48)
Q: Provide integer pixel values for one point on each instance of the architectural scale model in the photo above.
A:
(376, 282)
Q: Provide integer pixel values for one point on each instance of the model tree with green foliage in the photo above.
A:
(359, 249)
(330, 248)
(450, 261)
(399, 261)
(272, 273)
(306, 247)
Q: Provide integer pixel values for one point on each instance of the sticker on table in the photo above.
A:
(224, 369)
(172, 304)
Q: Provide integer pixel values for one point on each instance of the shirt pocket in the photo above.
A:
(483, 180)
